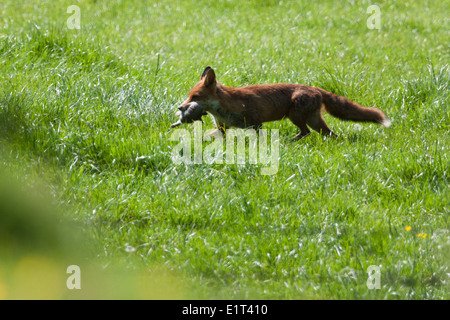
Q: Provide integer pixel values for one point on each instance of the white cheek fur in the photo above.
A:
(211, 105)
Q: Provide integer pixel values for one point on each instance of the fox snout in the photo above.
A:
(185, 105)
(191, 104)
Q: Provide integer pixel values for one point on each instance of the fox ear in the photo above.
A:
(208, 76)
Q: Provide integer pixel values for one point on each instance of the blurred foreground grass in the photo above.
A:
(38, 244)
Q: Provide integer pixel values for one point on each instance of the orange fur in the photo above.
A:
(251, 106)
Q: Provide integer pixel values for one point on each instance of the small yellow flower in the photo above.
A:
(422, 235)
(408, 228)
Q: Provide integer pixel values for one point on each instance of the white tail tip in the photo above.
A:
(386, 123)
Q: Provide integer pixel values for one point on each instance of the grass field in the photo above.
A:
(85, 120)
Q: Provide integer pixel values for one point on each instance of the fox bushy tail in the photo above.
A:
(346, 109)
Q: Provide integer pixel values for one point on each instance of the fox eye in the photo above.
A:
(195, 97)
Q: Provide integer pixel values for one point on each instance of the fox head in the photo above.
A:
(203, 92)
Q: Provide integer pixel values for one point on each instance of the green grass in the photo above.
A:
(87, 113)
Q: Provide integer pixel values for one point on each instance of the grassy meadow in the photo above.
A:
(85, 147)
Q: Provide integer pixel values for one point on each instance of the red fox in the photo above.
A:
(251, 106)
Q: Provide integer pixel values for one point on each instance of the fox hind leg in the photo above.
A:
(317, 123)
(306, 112)
(300, 122)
